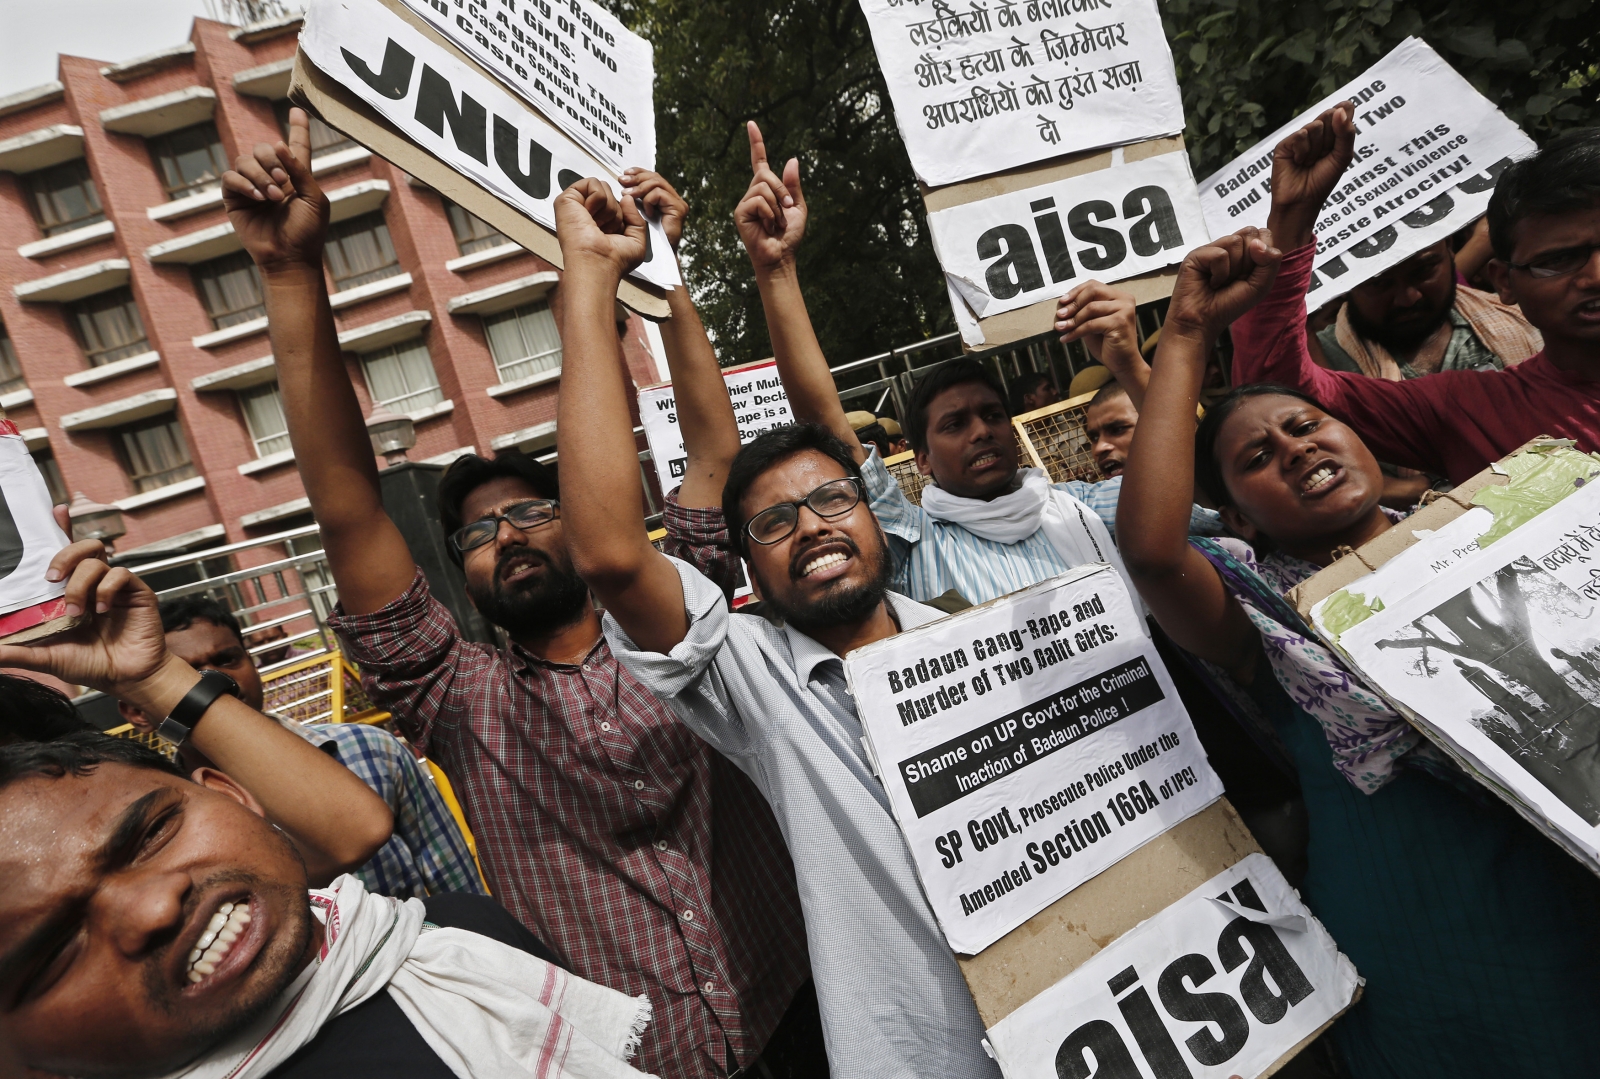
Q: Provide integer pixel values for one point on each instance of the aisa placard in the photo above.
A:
(1027, 745)
(1224, 982)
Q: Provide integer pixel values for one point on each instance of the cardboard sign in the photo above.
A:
(1023, 247)
(439, 103)
(979, 88)
(570, 59)
(1026, 745)
(1494, 651)
(1428, 151)
(30, 606)
(759, 404)
(1224, 982)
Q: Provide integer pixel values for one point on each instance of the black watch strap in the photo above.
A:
(183, 719)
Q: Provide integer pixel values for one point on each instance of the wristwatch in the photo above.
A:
(213, 684)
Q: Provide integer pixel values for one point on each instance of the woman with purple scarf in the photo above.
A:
(1479, 939)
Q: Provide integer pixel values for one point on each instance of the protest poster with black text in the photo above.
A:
(1428, 150)
(571, 59)
(1013, 250)
(979, 89)
(441, 104)
(759, 404)
(1271, 978)
(29, 539)
(1026, 745)
(1497, 657)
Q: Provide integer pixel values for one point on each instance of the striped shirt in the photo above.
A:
(427, 853)
(932, 557)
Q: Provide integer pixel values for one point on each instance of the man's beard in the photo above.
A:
(838, 606)
(1405, 338)
(531, 608)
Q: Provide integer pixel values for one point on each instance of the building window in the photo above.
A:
(523, 341)
(109, 326)
(359, 252)
(263, 415)
(230, 288)
(473, 234)
(154, 453)
(190, 159)
(52, 476)
(11, 378)
(64, 198)
(324, 139)
(401, 377)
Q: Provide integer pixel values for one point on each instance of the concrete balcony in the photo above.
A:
(66, 241)
(163, 113)
(116, 413)
(76, 283)
(41, 148)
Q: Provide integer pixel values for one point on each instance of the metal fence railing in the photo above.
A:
(282, 604)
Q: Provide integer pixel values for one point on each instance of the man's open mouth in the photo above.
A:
(988, 459)
(226, 926)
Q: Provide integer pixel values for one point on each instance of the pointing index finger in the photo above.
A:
(758, 146)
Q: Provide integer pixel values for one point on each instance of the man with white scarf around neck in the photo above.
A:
(986, 527)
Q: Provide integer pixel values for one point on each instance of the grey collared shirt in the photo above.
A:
(774, 701)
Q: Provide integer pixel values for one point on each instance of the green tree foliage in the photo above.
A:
(805, 71)
(1248, 66)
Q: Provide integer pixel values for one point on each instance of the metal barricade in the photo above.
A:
(1056, 439)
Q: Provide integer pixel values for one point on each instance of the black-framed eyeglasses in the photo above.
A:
(1558, 263)
(525, 516)
(833, 499)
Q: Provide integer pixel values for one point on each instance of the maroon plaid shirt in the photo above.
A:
(635, 851)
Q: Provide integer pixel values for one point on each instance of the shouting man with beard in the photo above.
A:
(768, 691)
(645, 860)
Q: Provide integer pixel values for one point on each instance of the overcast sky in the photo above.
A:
(109, 30)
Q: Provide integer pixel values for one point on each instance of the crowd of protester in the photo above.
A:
(685, 864)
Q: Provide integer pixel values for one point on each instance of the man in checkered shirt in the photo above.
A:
(647, 862)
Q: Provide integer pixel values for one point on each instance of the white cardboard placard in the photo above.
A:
(1429, 148)
(982, 87)
(570, 59)
(456, 114)
(29, 535)
(1026, 745)
(1498, 656)
(1224, 982)
(759, 404)
(1016, 249)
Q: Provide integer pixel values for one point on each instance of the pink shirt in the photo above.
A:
(1451, 423)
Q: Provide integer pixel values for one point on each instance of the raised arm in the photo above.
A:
(1215, 283)
(334, 819)
(1269, 343)
(603, 509)
(705, 414)
(772, 221)
(281, 215)
(1106, 320)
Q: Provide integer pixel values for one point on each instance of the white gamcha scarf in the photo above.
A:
(489, 1010)
(1074, 529)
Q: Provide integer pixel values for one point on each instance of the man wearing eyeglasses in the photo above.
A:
(768, 691)
(645, 860)
(1544, 225)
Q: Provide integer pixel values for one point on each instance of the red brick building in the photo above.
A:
(133, 342)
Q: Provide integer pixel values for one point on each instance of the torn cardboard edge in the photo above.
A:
(1039, 318)
(1072, 930)
(314, 90)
